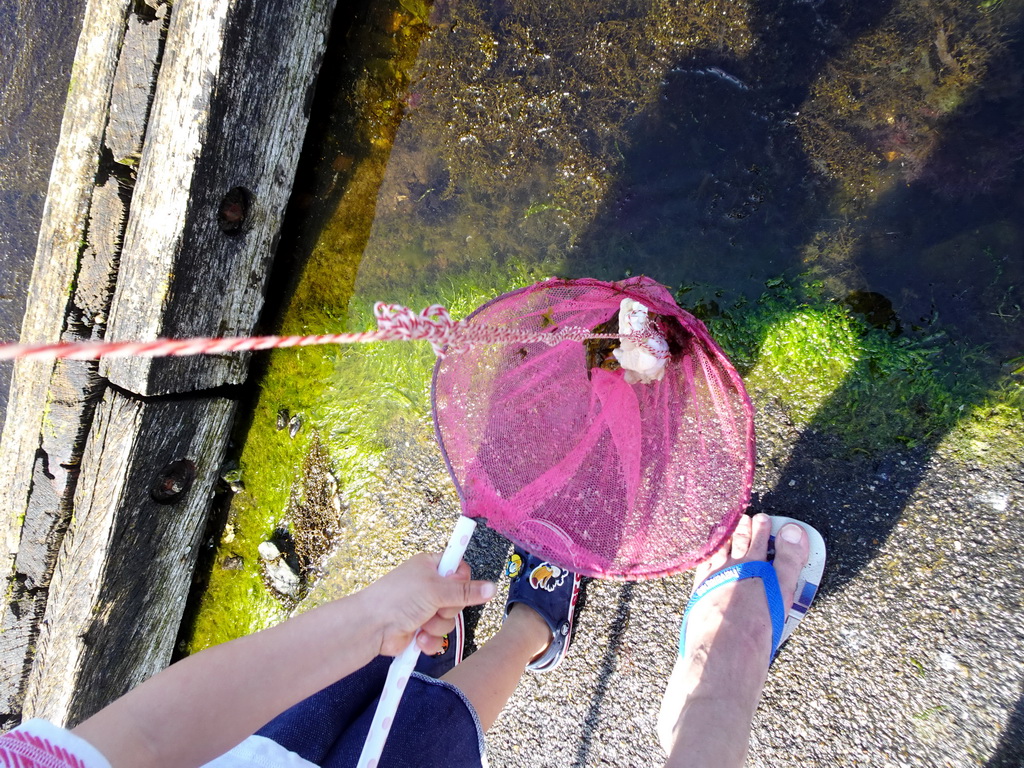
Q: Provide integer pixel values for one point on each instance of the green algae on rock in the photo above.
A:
(835, 372)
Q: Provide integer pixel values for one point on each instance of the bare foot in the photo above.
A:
(716, 685)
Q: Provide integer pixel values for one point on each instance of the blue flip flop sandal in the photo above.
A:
(808, 581)
(439, 664)
(552, 592)
(806, 587)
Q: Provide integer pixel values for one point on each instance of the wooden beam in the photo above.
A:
(160, 221)
(231, 108)
(35, 491)
(125, 565)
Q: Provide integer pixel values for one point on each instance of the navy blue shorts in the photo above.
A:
(435, 725)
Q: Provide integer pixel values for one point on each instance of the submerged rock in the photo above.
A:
(281, 578)
(233, 480)
(268, 551)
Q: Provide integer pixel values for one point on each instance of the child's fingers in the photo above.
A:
(448, 613)
(429, 644)
(439, 626)
(462, 573)
(458, 594)
(448, 595)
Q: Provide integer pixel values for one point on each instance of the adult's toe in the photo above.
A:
(791, 552)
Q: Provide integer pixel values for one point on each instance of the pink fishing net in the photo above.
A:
(554, 450)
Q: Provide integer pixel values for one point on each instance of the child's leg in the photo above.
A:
(535, 635)
(489, 676)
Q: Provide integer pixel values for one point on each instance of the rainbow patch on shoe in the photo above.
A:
(445, 642)
(514, 566)
(547, 576)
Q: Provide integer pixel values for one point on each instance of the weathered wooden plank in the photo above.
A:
(217, 164)
(73, 388)
(133, 86)
(97, 269)
(17, 626)
(73, 385)
(65, 220)
(42, 417)
(126, 562)
(230, 113)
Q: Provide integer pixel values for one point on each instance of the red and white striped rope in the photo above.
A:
(394, 323)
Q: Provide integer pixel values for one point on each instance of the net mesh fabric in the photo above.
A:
(565, 458)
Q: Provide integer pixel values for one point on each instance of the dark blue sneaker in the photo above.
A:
(552, 592)
(439, 664)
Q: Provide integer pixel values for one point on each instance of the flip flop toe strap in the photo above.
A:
(756, 569)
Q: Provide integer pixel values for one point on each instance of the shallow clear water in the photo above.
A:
(715, 146)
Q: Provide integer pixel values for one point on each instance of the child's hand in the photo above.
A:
(415, 596)
(195, 702)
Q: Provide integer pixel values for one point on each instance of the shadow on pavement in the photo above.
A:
(1010, 752)
(611, 653)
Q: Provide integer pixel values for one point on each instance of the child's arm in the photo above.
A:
(205, 704)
